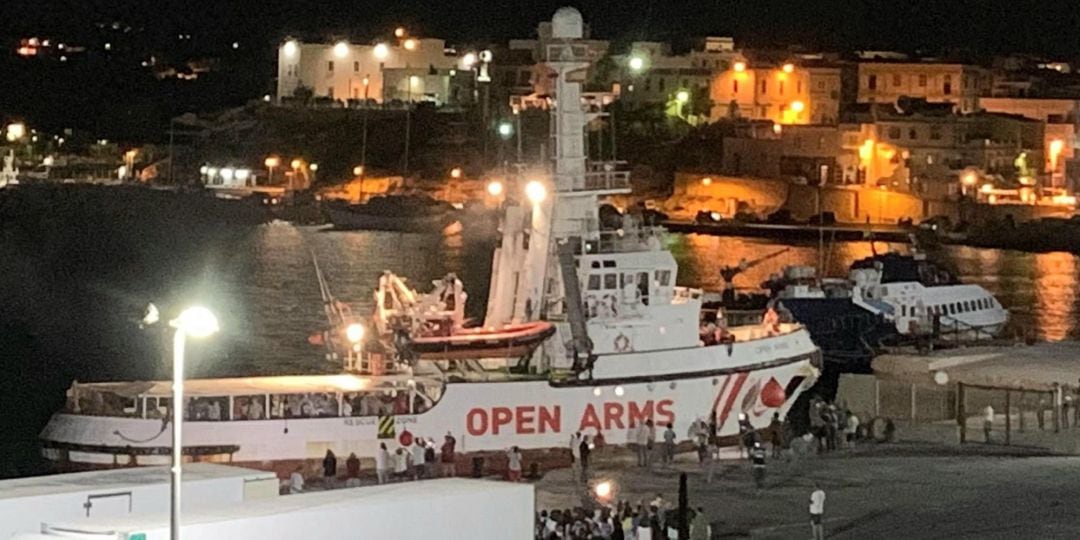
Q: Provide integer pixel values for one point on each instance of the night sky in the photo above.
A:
(116, 99)
(985, 26)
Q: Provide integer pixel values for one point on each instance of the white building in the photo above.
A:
(412, 69)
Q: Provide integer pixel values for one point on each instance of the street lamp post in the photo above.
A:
(197, 322)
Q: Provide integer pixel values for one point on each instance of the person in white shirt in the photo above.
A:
(575, 453)
(296, 480)
(418, 460)
(382, 464)
(401, 464)
(852, 429)
(817, 510)
(988, 422)
(513, 464)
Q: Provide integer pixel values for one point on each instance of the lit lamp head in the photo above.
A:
(227, 173)
(788, 68)
(399, 32)
(381, 51)
(354, 332)
(15, 131)
(290, 48)
(636, 64)
(604, 490)
(297, 163)
(798, 106)
(495, 188)
(468, 61)
(506, 129)
(410, 44)
(272, 161)
(455, 172)
(682, 96)
(197, 322)
(535, 191)
(341, 49)
(314, 167)
(358, 170)
(740, 67)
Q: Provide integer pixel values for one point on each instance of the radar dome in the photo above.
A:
(567, 24)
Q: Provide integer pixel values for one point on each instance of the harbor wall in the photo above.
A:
(694, 192)
(25, 504)
(447, 508)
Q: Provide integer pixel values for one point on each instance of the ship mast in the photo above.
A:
(528, 282)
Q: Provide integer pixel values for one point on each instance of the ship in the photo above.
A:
(601, 340)
(397, 213)
(888, 298)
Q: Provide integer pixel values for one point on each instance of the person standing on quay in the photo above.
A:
(583, 452)
(352, 471)
(642, 440)
(709, 457)
(669, 444)
(650, 442)
(575, 453)
(776, 435)
(418, 458)
(988, 422)
(382, 464)
(513, 464)
(448, 457)
(757, 459)
(296, 480)
(329, 465)
(817, 513)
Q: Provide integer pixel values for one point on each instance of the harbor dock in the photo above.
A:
(805, 232)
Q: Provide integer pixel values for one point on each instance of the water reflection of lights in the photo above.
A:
(1054, 309)
(701, 256)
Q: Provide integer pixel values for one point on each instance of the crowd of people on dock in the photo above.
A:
(655, 519)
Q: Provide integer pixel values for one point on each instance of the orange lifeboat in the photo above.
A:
(510, 341)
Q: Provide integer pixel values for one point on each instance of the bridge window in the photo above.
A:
(663, 277)
(611, 281)
(594, 282)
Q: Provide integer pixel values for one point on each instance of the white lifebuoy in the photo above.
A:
(622, 343)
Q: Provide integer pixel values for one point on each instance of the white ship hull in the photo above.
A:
(483, 416)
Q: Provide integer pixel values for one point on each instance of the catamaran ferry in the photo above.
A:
(586, 330)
